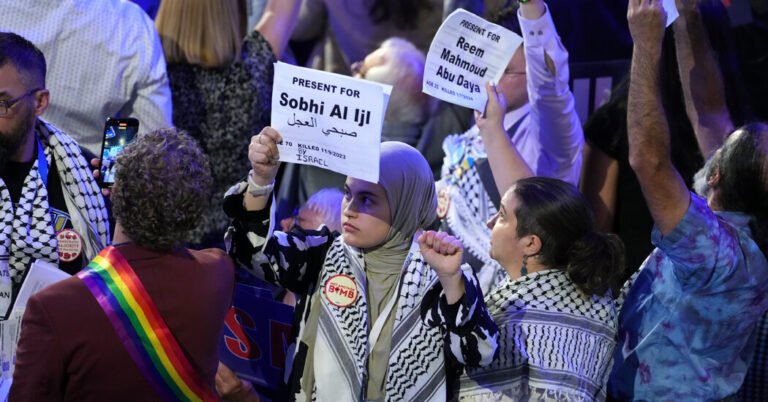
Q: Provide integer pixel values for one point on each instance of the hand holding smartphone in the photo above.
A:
(117, 134)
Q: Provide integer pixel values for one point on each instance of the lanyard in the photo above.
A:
(42, 163)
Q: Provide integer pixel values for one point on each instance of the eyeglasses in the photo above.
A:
(6, 105)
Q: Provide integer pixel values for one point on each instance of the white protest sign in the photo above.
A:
(467, 52)
(329, 120)
(39, 276)
(671, 9)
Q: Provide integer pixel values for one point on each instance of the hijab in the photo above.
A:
(410, 189)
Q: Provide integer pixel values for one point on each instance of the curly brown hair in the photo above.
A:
(163, 183)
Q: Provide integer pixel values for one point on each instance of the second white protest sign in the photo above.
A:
(467, 52)
(329, 120)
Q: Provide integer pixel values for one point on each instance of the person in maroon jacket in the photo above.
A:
(70, 349)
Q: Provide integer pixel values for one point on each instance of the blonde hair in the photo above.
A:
(203, 32)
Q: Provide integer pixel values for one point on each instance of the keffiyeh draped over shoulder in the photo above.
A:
(555, 344)
(26, 231)
(331, 359)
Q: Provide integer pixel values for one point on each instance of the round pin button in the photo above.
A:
(70, 245)
(340, 290)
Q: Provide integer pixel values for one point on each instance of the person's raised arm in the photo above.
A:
(283, 258)
(599, 184)
(443, 253)
(277, 23)
(263, 155)
(553, 118)
(458, 308)
(647, 128)
(701, 79)
(533, 9)
(506, 163)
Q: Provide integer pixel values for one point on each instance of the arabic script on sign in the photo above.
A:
(328, 120)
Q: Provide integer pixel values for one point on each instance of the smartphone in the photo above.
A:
(117, 134)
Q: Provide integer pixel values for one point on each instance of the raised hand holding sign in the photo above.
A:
(466, 53)
(329, 120)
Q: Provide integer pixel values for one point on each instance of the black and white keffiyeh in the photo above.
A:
(416, 364)
(555, 344)
(340, 339)
(331, 356)
(470, 205)
(26, 230)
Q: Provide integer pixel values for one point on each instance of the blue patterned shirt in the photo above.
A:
(686, 326)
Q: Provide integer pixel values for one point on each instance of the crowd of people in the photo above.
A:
(513, 253)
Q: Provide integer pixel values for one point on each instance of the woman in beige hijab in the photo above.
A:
(383, 303)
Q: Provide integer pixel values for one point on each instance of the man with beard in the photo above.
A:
(686, 328)
(51, 208)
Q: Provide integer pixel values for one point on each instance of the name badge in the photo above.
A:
(340, 290)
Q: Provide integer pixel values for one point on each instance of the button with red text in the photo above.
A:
(340, 290)
(70, 245)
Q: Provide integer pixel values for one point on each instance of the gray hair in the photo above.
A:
(404, 70)
(327, 203)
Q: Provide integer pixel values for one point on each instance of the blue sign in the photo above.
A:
(257, 337)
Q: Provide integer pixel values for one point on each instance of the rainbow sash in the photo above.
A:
(142, 330)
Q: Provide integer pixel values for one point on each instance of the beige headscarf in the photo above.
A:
(410, 188)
